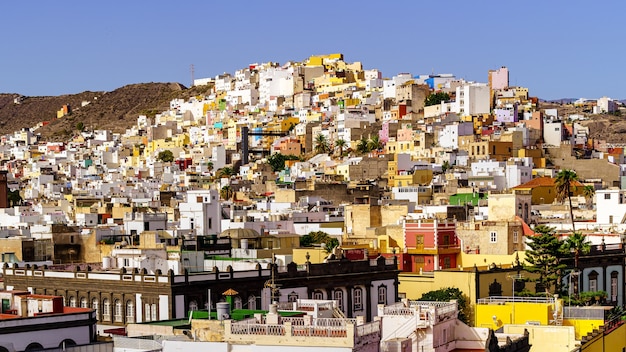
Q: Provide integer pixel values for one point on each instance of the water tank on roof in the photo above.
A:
(106, 263)
(223, 310)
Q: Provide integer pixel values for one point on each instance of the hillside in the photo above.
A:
(116, 110)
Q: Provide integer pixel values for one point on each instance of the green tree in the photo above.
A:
(80, 126)
(374, 143)
(209, 166)
(277, 161)
(226, 192)
(224, 172)
(446, 295)
(577, 244)
(565, 183)
(362, 146)
(543, 258)
(321, 144)
(436, 98)
(319, 237)
(340, 144)
(166, 156)
(588, 192)
(445, 166)
(14, 198)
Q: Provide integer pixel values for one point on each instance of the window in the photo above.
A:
(193, 305)
(358, 299)
(318, 295)
(614, 282)
(72, 301)
(106, 310)
(252, 302)
(515, 237)
(607, 196)
(147, 313)
(117, 313)
(338, 296)
(382, 294)
(493, 237)
(154, 312)
(292, 297)
(237, 303)
(130, 312)
(94, 306)
(447, 263)
(593, 281)
(83, 302)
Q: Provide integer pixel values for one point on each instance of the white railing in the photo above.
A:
(319, 331)
(368, 329)
(399, 310)
(257, 329)
(333, 321)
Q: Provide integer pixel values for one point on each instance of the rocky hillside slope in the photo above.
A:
(116, 110)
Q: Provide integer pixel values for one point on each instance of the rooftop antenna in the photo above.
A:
(191, 69)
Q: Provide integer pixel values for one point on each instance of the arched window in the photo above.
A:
(237, 303)
(106, 310)
(130, 312)
(338, 296)
(83, 302)
(66, 343)
(94, 306)
(193, 305)
(72, 301)
(34, 347)
(318, 295)
(117, 314)
(252, 302)
(358, 299)
(382, 294)
(292, 297)
(593, 281)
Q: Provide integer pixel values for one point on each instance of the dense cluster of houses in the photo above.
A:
(420, 179)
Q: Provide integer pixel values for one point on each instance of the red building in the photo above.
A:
(430, 244)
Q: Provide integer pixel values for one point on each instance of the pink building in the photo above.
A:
(499, 79)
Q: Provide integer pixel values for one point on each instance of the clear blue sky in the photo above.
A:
(558, 49)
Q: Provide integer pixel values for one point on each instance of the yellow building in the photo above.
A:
(543, 189)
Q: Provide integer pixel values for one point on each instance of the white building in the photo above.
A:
(34, 322)
(448, 137)
(472, 99)
(201, 212)
(610, 206)
(553, 133)
(389, 86)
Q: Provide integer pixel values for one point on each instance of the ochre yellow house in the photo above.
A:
(543, 189)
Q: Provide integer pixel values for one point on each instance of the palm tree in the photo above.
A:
(225, 172)
(226, 192)
(321, 144)
(340, 144)
(374, 143)
(209, 166)
(565, 183)
(579, 244)
(588, 192)
(362, 146)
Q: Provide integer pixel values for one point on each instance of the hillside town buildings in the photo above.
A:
(212, 200)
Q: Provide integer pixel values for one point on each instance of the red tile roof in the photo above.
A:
(543, 181)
